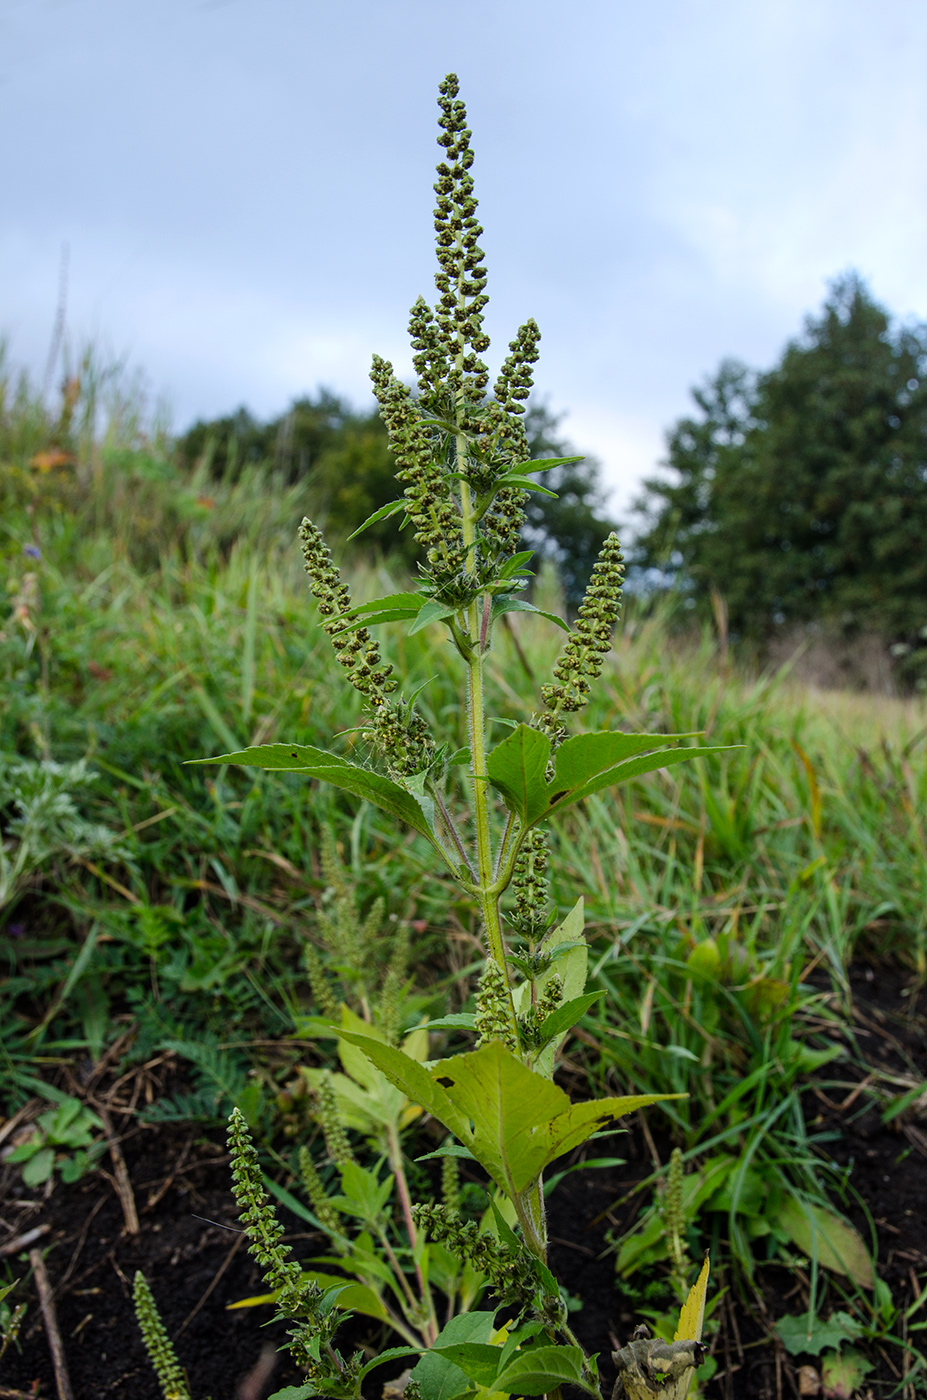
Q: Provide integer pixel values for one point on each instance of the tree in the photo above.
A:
(570, 529)
(801, 494)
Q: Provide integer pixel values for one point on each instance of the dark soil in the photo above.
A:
(196, 1263)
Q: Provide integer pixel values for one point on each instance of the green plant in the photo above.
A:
(463, 460)
(160, 1349)
(61, 1138)
(42, 819)
(367, 1217)
(11, 1318)
(798, 492)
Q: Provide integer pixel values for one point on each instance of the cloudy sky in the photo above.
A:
(245, 187)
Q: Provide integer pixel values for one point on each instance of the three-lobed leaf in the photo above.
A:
(513, 1120)
(583, 765)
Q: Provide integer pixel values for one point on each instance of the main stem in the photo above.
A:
(489, 898)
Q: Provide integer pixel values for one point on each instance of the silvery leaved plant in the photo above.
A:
(463, 461)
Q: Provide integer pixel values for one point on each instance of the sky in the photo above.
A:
(244, 189)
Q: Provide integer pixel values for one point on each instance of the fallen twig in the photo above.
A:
(120, 1177)
(23, 1241)
(56, 1347)
(23, 1115)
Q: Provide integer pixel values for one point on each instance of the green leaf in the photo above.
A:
(584, 765)
(820, 1232)
(520, 1120)
(458, 1021)
(374, 619)
(286, 758)
(329, 768)
(807, 1335)
(904, 1101)
(517, 769)
(538, 1370)
(513, 1120)
(566, 1016)
(450, 1149)
(546, 464)
(634, 768)
(438, 1377)
(39, 1167)
(432, 611)
(391, 607)
(516, 565)
(391, 1354)
(478, 1360)
(525, 483)
(503, 1229)
(502, 603)
(383, 513)
(585, 756)
(389, 600)
(517, 1337)
(364, 1195)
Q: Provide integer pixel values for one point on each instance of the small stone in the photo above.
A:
(809, 1382)
(395, 1390)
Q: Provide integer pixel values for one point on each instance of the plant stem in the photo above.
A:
(402, 1186)
(489, 889)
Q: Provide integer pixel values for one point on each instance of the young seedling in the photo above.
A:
(463, 460)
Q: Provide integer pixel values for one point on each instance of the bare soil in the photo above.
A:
(190, 1249)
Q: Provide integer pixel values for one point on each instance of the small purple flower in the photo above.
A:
(32, 551)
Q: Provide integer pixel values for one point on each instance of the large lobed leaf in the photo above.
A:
(585, 764)
(513, 1120)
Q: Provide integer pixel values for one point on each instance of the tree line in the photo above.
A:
(343, 456)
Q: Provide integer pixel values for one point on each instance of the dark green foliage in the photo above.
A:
(569, 530)
(343, 458)
(341, 454)
(801, 494)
